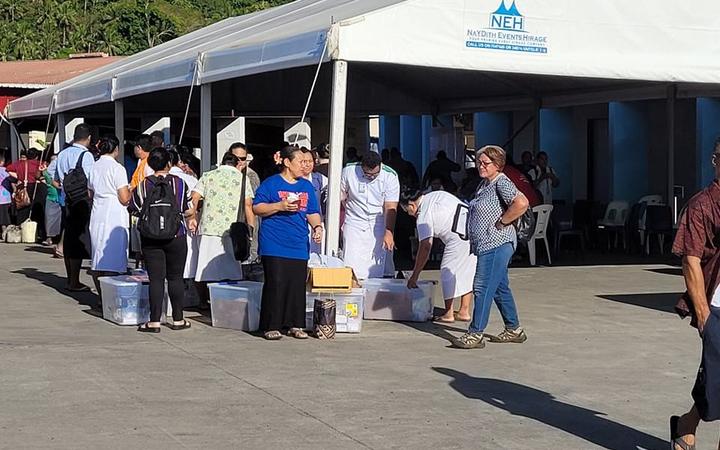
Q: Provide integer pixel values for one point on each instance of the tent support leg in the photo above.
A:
(205, 126)
(61, 139)
(670, 111)
(14, 144)
(337, 138)
(120, 128)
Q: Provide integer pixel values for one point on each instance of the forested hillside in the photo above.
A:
(39, 29)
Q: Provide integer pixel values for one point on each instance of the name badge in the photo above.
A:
(362, 188)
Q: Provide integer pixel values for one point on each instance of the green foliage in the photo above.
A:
(40, 29)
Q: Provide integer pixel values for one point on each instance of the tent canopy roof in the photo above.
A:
(440, 54)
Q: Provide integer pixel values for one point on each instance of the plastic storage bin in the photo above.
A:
(126, 299)
(389, 299)
(236, 305)
(348, 312)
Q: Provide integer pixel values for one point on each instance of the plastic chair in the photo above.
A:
(614, 220)
(658, 222)
(654, 199)
(565, 223)
(541, 225)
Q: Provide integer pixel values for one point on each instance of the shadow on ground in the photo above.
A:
(58, 283)
(667, 271)
(541, 406)
(664, 302)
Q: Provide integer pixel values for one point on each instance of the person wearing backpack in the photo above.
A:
(164, 219)
(497, 205)
(73, 168)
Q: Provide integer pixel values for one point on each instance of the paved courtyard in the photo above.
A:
(604, 367)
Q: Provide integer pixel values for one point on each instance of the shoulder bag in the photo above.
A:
(524, 225)
(240, 232)
(21, 197)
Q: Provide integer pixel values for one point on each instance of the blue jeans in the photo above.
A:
(492, 284)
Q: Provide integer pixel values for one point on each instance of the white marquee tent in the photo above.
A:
(411, 56)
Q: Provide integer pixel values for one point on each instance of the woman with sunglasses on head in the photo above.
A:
(497, 204)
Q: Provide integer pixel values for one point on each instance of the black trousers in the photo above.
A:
(283, 296)
(165, 260)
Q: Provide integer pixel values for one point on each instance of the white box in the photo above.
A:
(348, 312)
(389, 299)
(126, 299)
(236, 304)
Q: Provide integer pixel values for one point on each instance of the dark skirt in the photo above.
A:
(706, 391)
(76, 242)
(283, 296)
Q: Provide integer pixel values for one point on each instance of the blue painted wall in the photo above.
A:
(411, 135)
(389, 132)
(492, 128)
(629, 136)
(556, 139)
(708, 129)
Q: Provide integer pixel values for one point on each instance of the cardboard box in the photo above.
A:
(329, 280)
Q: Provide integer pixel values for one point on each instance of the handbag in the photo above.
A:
(524, 225)
(240, 232)
(324, 318)
(21, 197)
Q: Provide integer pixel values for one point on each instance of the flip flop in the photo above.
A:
(457, 317)
(441, 319)
(273, 335)
(82, 288)
(144, 328)
(185, 325)
(675, 439)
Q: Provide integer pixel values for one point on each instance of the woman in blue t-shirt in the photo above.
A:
(287, 203)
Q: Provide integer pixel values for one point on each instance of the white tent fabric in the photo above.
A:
(649, 40)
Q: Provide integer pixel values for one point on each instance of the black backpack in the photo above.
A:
(160, 217)
(75, 183)
(524, 225)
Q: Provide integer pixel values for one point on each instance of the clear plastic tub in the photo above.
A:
(236, 305)
(390, 299)
(126, 299)
(348, 312)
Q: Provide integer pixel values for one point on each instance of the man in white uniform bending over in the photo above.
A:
(443, 216)
(370, 192)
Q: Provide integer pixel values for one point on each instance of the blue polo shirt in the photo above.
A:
(285, 234)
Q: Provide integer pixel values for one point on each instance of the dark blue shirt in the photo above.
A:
(285, 234)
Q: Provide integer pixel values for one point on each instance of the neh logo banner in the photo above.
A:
(506, 29)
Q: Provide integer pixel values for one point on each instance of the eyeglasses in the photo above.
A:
(484, 163)
(371, 174)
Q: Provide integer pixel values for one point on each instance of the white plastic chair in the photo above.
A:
(614, 221)
(651, 199)
(541, 224)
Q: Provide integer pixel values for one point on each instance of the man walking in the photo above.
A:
(77, 200)
(696, 242)
(370, 191)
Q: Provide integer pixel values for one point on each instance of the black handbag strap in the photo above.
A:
(241, 207)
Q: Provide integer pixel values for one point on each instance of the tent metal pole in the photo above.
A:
(670, 111)
(61, 130)
(536, 130)
(337, 138)
(205, 126)
(14, 144)
(120, 128)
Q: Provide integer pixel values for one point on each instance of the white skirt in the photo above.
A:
(216, 261)
(191, 263)
(363, 249)
(457, 271)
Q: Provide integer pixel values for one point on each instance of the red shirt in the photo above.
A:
(523, 184)
(25, 168)
(697, 235)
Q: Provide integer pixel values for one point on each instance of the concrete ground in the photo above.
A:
(606, 364)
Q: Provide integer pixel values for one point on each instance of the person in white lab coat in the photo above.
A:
(109, 219)
(370, 192)
(441, 215)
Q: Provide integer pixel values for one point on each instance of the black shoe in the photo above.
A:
(144, 328)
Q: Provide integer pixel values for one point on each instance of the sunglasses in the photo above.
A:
(242, 158)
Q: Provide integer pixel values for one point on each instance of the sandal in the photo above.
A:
(460, 319)
(144, 328)
(675, 439)
(184, 326)
(273, 335)
(297, 333)
(442, 319)
(81, 288)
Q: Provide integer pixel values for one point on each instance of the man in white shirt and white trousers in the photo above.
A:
(441, 215)
(370, 192)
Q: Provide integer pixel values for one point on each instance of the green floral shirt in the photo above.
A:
(221, 189)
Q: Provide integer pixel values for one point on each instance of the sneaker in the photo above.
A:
(516, 336)
(469, 340)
